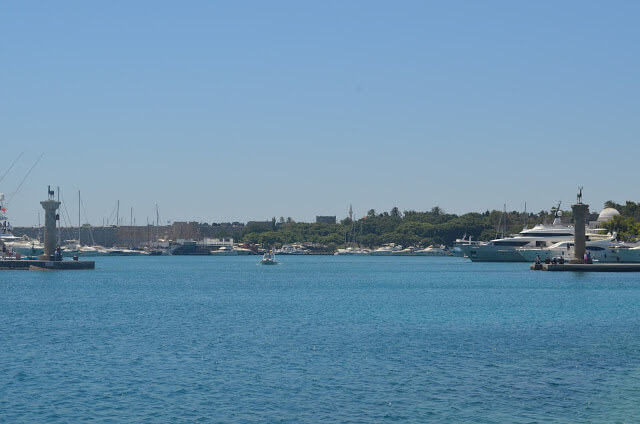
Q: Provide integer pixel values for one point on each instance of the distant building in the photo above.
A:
(326, 219)
(605, 215)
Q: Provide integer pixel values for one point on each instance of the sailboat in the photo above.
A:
(75, 247)
(156, 250)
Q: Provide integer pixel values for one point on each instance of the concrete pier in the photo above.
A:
(36, 265)
(582, 267)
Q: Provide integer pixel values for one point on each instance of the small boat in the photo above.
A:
(224, 251)
(352, 251)
(433, 251)
(386, 250)
(268, 259)
(409, 251)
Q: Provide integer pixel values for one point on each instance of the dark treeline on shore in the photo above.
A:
(424, 228)
(406, 228)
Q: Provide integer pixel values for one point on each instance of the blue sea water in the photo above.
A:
(318, 339)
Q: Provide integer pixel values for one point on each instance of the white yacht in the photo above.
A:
(505, 249)
(456, 250)
(12, 245)
(243, 251)
(386, 250)
(407, 251)
(432, 251)
(542, 235)
(224, 251)
(352, 251)
(290, 249)
(70, 248)
(91, 251)
(6, 235)
(125, 251)
(604, 251)
(25, 246)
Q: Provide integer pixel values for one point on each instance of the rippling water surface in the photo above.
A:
(318, 339)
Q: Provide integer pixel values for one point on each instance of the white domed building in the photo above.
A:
(607, 214)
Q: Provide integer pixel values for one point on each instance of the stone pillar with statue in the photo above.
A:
(50, 207)
(580, 213)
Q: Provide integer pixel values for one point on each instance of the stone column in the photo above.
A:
(580, 212)
(50, 207)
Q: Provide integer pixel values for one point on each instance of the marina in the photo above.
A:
(320, 212)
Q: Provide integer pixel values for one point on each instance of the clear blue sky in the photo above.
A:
(243, 110)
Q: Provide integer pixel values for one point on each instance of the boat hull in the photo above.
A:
(484, 253)
(431, 253)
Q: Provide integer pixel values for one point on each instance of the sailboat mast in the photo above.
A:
(58, 228)
(78, 217)
(504, 225)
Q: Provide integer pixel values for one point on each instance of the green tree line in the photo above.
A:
(405, 228)
(422, 228)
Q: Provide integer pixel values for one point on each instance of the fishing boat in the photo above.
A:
(268, 259)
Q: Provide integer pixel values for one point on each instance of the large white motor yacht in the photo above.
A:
(505, 249)
(509, 249)
(24, 245)
(604, 251)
